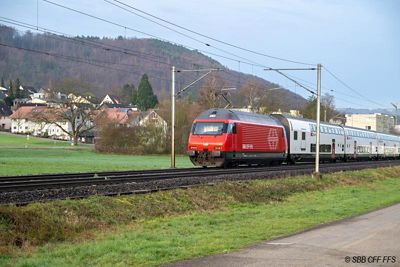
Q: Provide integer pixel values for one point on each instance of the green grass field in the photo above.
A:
(21, 156)
(153, 229)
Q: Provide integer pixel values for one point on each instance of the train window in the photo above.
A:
(295, 135)
(303, 136)
(326, 148)
(209, 128)
(322, 148)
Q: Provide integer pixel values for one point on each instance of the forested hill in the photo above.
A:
(102, 65)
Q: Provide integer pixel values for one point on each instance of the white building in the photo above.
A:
(375, 122)
(23, 121)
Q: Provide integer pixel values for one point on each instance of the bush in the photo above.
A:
(130, 140)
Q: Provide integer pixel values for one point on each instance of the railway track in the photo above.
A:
(34, 182)
(25, 189)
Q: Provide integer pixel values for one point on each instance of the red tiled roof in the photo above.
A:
(26, 112)
(115, 115)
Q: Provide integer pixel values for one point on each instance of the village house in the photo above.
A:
(5, 121)
(79, 99)
(131, 117)
(111, 101)
(25, 121)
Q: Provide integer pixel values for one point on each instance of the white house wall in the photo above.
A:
(5, 123)
(23, 126)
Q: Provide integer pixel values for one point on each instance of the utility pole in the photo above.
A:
(173, 119)
(173, 96)
(316, 174)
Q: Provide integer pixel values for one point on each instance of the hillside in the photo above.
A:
(102, 65)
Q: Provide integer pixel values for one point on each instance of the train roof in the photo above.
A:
(231, 114)
(336, 125)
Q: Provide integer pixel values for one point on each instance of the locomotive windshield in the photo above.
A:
(209, 128)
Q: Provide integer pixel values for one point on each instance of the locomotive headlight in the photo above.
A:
(193, 147)
(217, 148)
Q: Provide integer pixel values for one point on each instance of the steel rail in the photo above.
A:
(37, 182)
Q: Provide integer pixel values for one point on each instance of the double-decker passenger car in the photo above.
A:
(337, 142)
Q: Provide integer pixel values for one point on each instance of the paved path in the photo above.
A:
(373, 234)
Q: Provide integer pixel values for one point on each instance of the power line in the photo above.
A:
(350, 88)
(75, 59)
(108, 48)
(58, 35)
(212, 38)
(126, 27)
(337, 92)
(185, 35)
(82, 60)
(129, 28)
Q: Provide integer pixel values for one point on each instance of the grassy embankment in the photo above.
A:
(167, 226)
(22, 156)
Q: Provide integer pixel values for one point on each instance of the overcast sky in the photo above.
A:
(359, 40)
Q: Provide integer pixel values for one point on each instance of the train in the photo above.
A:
(229, 138)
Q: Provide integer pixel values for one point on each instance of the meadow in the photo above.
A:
(20, 155)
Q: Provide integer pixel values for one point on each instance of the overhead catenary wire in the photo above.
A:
(96, 63)
(350, 88)
(75, 59)
(340, 93)
(212, 38)
(58, 35)
(186, 35)
(127, 27)
(151, 35)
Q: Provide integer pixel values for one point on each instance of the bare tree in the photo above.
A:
(252, 95)
(209, 92)
(74, 119)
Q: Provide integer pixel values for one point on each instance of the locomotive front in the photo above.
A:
(208, 141)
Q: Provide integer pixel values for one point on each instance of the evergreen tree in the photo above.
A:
(10, 91)
(128, 94)
(145, 97)
(17, 90)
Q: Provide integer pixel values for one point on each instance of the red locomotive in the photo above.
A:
(224, 137)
